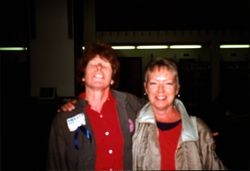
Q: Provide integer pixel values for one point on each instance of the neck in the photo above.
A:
(167, 115)
(96, 98)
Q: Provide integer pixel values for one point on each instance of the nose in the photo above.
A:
(161, 88)
(99, 66)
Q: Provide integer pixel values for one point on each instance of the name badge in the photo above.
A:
(76, 121)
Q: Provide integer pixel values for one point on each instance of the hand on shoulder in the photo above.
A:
(68, 106)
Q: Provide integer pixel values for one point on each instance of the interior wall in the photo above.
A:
(52, 51)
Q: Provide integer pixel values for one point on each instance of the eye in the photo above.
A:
(152, 83)
(104, 66)
(91, 65)
(169, 83)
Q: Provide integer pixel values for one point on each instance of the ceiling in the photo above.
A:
(136, 15)
(171, 15)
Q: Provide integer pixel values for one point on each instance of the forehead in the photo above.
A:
(99, 58)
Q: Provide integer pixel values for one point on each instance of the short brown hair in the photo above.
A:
(105, 51)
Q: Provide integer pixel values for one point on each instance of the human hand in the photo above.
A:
(215, 134)
(67, 107)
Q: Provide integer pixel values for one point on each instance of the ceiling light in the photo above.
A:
(185, 47)
(152, 47)
(235, 46)
(123, 47)
(13, 48)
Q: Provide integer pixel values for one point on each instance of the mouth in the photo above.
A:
(98, 76)
(161, 98)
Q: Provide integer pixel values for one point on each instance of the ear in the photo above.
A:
(145, 87)
(83, 79)
(177, 89)
(111, 82)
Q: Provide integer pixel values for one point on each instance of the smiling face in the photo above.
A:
(162, 86)
(98, 73)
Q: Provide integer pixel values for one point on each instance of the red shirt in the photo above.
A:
(108, 136)
(168, 143)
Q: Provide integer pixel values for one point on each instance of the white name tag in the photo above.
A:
(76, 121)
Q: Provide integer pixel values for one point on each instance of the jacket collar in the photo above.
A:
(189, 127)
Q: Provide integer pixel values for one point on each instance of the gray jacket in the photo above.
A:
(195, 149)
(63, 155)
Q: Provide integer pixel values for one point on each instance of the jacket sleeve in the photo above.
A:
(56, 147)
(209, 158)
(135, 103)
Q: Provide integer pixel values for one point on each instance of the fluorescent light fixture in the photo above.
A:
(185, 47)
(235, 46)
(152, 47)
(123, 47)
(13, 48)
(119, 47)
